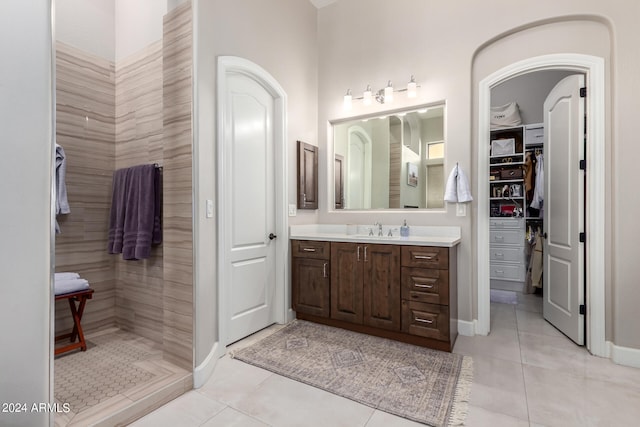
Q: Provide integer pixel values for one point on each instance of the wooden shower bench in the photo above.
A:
(76, 313)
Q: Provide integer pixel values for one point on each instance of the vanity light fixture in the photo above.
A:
(383, 96)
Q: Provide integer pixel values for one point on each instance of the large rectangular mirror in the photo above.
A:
(392, 161)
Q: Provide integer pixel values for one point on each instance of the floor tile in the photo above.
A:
(232, 381)
(500, 343)
(480, 417)
(282, 402)
(384, 419)
(534, 323)
(229, 417)
(190, 409)
(561, 399)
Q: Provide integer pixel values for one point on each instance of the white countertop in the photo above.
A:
(445, 236)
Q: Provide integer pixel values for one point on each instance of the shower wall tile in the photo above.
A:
(178, 215)
(139, 140)
(85, 128)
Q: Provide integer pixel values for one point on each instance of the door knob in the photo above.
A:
(272, 236)
(545, 235)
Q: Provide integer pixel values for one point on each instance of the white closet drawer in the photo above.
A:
(506, 223)
(506, 254)
(506, 272)
(510, 237)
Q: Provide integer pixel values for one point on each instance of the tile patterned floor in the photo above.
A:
(526, 373)
(119, 374)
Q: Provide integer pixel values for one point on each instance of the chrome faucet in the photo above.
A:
(379, 228)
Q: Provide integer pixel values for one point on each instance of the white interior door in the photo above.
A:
(563, 273)
(249, 208)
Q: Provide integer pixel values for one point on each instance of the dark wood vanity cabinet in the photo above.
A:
(310, 277)
(365, 284)
(429, 293)
(407, 293)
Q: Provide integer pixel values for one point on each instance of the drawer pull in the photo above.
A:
(308, 249)
(418, 285)
(499, 255)
(499, 271)
(417, 319)
(324, 270)
(499, 237)
(427, 257)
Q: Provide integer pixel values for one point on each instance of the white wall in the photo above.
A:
(137, 24)
(26, 117)
(279, 36)
(87, 25)
(442, 44)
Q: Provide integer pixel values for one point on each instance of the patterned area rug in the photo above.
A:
(417, 383)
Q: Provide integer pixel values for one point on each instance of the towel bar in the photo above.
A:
(76, 313)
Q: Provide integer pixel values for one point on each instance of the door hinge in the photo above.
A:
(583, 92)
(583, 237)
(583, 165)
(583, 309)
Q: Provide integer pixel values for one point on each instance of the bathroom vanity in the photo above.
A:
(402, 288)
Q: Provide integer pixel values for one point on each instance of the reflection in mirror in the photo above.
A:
(390, 162)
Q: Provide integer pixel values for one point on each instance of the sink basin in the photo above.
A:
(376, 237)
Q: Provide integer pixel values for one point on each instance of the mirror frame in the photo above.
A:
(373, 115)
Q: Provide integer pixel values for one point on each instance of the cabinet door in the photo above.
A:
(346, 281)
(381, 286)
(307, 176)
(311, 286)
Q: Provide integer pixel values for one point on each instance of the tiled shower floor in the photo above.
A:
(118, 378)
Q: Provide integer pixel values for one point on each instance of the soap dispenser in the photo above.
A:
(404, 229)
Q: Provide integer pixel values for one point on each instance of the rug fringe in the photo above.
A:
(460, 405)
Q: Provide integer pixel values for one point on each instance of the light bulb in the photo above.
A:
(367, 96)
(347, 100)
(388, 93)
(412, 88)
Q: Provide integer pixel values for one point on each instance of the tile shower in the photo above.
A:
(112, 115)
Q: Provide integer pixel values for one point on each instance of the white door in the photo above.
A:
(563, 273)
(249, 207)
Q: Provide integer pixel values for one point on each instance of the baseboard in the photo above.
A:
(624, 355)
(466, 328)
(203, 371)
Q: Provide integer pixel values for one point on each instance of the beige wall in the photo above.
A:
(279, 36)
(442, 43)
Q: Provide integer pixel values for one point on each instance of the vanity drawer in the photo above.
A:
(506, 254)
(506, 271)
(425, 257)
(425, 285)
(510, 237)
(310, 249)
(425, 320)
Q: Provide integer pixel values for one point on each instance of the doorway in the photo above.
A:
(593, 68)
(537, 258)
(251, 199)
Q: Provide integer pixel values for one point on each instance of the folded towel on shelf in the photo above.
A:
(66, 276)
(70, 285)
(134, 221)
(457, 189)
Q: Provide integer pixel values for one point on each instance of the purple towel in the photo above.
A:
(134, 222)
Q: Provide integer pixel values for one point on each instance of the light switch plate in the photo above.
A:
(209, 208)
(292, 210)
(461, 209)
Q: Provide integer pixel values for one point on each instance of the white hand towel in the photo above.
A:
(463, 187)
(451, 190)
(66, 276)
(458, 189)
(71, 285)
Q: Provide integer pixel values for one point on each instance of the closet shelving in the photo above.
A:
(508, 201)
